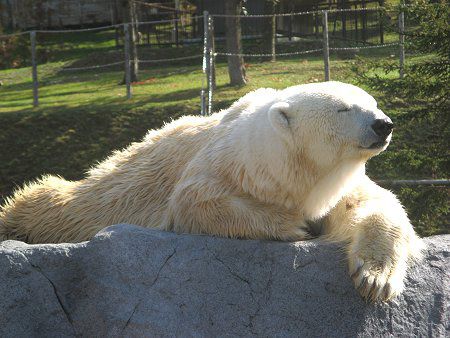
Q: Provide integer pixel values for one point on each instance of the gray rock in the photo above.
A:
(133, 282)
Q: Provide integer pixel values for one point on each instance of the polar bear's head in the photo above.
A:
(331, 121)
(305, 144)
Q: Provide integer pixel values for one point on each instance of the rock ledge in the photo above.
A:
(131, 281)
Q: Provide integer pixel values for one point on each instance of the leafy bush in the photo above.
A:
(420, 108)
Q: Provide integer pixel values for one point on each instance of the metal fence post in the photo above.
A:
(274, 38)
(205, 61)
(126, 28)
(401, 28)
(202, 103)
(34, 69)
(326, 51)
(211, 73)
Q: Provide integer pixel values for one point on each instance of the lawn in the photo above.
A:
(84, 115)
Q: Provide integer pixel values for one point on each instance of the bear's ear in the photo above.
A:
(279, 118)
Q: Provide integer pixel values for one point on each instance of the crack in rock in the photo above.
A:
(233, 273)
(267, 296)
(150, 286)
(162, 267)
(129, 318)
(55, 291)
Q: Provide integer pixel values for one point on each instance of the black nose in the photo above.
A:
(382, 127)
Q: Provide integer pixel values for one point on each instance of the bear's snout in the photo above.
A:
(383, 127)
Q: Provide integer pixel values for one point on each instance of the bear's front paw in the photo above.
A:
(376, 281)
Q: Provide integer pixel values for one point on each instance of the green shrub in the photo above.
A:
(419, 106)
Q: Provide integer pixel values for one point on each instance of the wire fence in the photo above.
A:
(291, 26)
(309, 24)
(304, 33)
(442, 182)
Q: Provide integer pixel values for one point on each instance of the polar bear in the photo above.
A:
(274, 164)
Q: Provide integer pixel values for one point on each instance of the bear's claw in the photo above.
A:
(375, 283)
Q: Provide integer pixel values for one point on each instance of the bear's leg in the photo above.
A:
(209, 209)
(380, 238)
(221, 217)
(39, 212)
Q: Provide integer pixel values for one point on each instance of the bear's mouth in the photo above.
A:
(376, 145)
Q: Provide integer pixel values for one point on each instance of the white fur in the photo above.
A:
(260, 169)
(328, 191)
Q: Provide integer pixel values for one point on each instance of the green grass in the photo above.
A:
(85, 115)
(82, 116)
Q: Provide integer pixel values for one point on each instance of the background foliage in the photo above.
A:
(420, 105)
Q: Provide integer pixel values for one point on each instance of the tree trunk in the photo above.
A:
(269, 29)
(134, 41)
(115, 7)
(130, 16)
(236, 68)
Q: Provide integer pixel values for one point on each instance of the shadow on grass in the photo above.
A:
(66, 140)
(42, 94)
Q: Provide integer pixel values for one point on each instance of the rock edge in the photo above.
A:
(130, 281)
